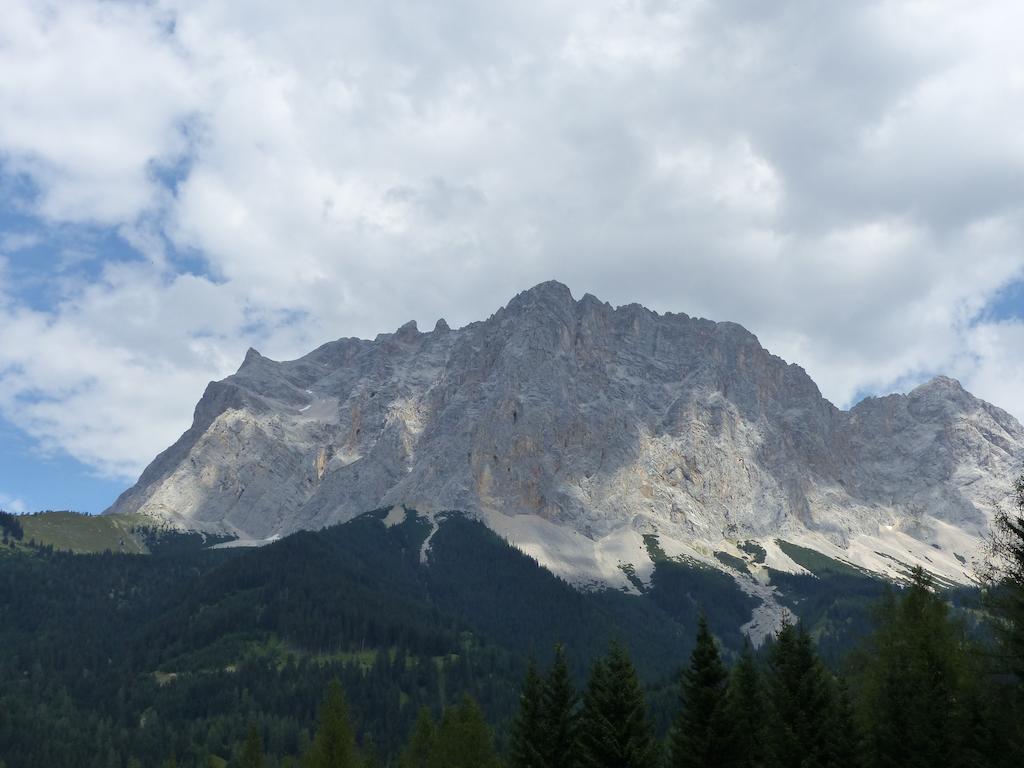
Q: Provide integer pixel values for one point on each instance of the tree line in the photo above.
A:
(10, 527)
(918, 692)
(214, 658)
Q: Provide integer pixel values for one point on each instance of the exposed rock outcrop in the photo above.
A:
(574, 428)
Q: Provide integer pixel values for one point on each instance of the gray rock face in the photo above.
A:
(574, 428)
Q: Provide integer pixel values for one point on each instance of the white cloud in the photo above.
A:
(10, 503)
(845, 180)
(94, 97)
(117, 369)
(994, 367)
(11, 242)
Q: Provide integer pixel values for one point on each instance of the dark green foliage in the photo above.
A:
(463, 739)
(252, 750)
(527, 736)
(559, 716)
(744, 715)
(699, 736)
(10, 527)
(836, 607)
(334, 745)
(531, 609)
(175, 543)
(118, 660)
(816, 562)
(418, 751)
(846, 745)
(835, 604)
(736, 563)
(802, 720)
(993, 719)
(1006, 581)
(755, 550)
(545, 729)
(342, 589)
(614, 729)
(687, 590)
(372, 756)
(653, 546)
(919, 685)
(199, 644)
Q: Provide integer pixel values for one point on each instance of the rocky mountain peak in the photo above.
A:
(544, 300)
(576, 430)
(942, 387)
(945, 383)
(408, 331)
(251, 356)
(550, 291)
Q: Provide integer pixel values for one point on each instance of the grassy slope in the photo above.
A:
(73, 532)
(818, 563)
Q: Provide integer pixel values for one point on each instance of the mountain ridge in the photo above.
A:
(575, 429)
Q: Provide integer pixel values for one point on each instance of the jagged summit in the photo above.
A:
(550, 291)
(942, 382)
(575, 429)
(251, 356)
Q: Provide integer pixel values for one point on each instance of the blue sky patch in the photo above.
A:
(50, 482)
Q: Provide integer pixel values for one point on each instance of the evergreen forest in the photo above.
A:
(339, 648)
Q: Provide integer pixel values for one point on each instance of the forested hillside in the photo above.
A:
(198, 654)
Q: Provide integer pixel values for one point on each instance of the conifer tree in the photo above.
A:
(418, 751)
(698, 738)
(614, 729)
(527, 729)
(252, 750)
(802, 703)
(1006, 583)
(559, 718)
(912, 680)
(744, 714)
(544, 732)
(463, 739)
(1005, 604)
(844, 747)
(371, 756)
(334, 745)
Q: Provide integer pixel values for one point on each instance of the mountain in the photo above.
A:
(594, 439)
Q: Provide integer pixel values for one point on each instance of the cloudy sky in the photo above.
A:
(180, 180)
